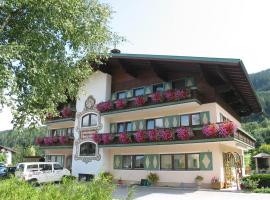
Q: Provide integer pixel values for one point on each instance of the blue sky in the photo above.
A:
(211, 28)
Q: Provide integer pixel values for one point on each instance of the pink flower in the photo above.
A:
(120, 103)
(63, 140)
(139, 136)
(39, 140)
(49, 115)
(140, 100)
(183, 133)
(96, 137)
(66, 112)
(55, 139)
(104, 106)
(227, 128)
(156, 97)
(181, 94)
(107, 138)
(153, 135)
(210, 130)
(124, 138)
(169, 95)
(48, 140)
(166, 135)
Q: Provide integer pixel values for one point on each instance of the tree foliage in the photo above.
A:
(47, 48)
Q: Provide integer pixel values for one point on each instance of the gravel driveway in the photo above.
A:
(149, 193)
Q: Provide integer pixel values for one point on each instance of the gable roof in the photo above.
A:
(7, 148)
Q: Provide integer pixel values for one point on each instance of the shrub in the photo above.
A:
(249, 184)
(262, 190)
(199, 178)
(107, 176)
(153, 178)
(263, 179)
(99, 188)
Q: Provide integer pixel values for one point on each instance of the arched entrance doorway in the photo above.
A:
(232, 169)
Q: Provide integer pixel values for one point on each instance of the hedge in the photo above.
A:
(264, 179)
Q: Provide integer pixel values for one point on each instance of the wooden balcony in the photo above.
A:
(54, 141)
(195, 135)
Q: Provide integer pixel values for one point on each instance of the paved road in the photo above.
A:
(148, 193)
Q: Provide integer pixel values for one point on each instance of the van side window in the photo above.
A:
(32, 168)
(57, 167)
(20, 168)
(45, 167)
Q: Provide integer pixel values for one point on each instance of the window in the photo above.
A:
(158, 88)
(179, 161)
(127, 162)
(121, 95)
(138, 162)
(56, 158)
(20, 168)
(184, 119)
(89, 120)
(138, 92)
(32, 168)
(57, 167)
(124, 127)
(120, 127)
(45, 167)
(195, 119)
(154, 123)
(179, 84)
(87, 149)
(193, 161)
(150, 124)
(223, 118)
(166, 162)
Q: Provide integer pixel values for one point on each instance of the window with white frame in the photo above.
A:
(89, 120)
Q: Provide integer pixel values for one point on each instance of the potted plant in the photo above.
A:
(153, 178)
(199, 180)
(120, 181)
(215, 183)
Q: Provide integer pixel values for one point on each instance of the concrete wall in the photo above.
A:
(99, 86)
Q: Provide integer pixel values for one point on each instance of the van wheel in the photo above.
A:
(33, 182)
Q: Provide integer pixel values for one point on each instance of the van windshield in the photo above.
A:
(20, 167)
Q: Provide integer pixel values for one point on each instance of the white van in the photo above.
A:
(41, 172)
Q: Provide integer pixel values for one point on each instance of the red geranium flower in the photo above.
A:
(124, 138)
(153, 135)
(104, 106)
(139, 136)
(120, 103)
(169, 95)
(166, 135)
(107, 138)
(156, 97)
(140, 100)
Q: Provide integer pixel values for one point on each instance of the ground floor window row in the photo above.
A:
(169, 162)
(56, 158)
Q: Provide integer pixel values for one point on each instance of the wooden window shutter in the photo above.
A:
(206, 161)
(117, 162)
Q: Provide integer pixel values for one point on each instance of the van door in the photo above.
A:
(46, 174)
(58, 171)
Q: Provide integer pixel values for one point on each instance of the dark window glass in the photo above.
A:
(184, 119)
(150, 124)
(45, 167)
(128, 126)
(166, 162)
(138, 162)
(127, 162)
(193, 161)
(179, 161)
(158, 88)
(196, 120)
(179, 84)
(121, 95)
(87, 149)
(138, 92)
(89, 120)
(120, 127)
(32, 168)
(159, 123)
(57, 167)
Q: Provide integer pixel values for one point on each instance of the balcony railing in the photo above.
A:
(168, 97)
(212, 132)
(69, 115)
(54, 141)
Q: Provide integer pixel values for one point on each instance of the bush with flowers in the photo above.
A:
(181, 94)
(183, 133)
(124, 138)
(156, 97)
(66, 112)
(169, 95)
(104, 106)
(107, 138)
(39, 140)
(96, 137)
(166, 135)
(153, 135)
(227, 129)
(139, 136)
(210, 130)
(48, 140)
(140, 101)
(120, 103)
(63, 139)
